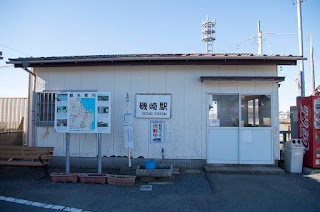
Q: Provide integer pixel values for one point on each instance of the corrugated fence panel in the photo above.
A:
(13, 112)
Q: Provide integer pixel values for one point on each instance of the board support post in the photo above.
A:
(99, 154)
(67, 153)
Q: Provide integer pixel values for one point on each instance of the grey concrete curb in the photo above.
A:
(308, 170)
(192, 171)
(251, 170)
(122, 162)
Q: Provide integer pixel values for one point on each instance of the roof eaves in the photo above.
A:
(189, 57)
(153, 57)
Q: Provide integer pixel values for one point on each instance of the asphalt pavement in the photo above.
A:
(188, 192)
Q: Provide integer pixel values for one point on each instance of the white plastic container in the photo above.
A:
(293, 156)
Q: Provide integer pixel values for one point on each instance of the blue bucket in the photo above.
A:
(150, 164)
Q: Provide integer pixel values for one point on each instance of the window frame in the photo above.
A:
(224, 94)
(240, 115)
(45, 108)
(271, 111)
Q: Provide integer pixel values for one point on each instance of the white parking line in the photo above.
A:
(40, 205)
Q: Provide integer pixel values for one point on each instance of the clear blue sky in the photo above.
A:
(58, 28)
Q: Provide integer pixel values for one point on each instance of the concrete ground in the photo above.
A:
(189, 192)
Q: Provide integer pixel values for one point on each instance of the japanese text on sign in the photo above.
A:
(153, 106)
(157, 131)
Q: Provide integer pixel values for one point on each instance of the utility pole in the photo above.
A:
(312, 68)
(300, 47)
(259, 40)
(311, 54)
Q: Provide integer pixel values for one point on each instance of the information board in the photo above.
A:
(128, 130)
(153, 106)
(157, 131)
(83, 112)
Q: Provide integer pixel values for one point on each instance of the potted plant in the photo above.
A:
(126, 180)
(92, 178)
(64, 177)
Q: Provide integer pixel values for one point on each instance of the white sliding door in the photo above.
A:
(223, 141)
(231, 141)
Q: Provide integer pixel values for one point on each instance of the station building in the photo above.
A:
(224, 108)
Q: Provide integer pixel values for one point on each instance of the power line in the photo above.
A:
(265, 39)
(294, 2)
(236, 45)
(15, 50)
(289, 33)
(10, 66)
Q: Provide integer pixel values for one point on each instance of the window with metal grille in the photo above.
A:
(45, 108)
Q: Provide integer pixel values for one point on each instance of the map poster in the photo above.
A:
(83, 112)
(157, 131)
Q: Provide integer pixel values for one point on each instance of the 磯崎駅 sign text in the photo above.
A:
(153, 106)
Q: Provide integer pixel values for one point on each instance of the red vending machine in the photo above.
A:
(309, 129)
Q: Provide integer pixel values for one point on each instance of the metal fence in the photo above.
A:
(13, 121)
(13, 114)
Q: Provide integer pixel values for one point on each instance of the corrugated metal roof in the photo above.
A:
(143, 56)
(31, 61)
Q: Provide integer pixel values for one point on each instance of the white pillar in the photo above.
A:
(312, 68)
(300, 33)
(259, 40)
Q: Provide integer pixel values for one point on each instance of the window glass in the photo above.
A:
(224, 111)
(256, 111)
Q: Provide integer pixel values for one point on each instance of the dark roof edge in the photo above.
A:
(263, 59)
(242, 78)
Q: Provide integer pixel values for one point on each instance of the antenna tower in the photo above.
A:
(208, 34)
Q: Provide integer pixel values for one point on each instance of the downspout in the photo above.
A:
(25, 65)
(28, 133)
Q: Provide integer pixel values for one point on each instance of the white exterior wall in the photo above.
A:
(186, 130)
